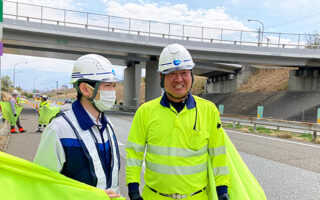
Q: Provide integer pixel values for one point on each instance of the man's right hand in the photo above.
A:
(111, 194)
(135, 195)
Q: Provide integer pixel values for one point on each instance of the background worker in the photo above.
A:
(13, 102)
(43, 102)
(81, 143)
(179, 130)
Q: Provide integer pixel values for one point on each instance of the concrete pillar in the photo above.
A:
(153, 89)
(132, 81)
(304, 80)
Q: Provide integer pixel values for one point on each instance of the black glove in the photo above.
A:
(224, 196)
(15, 115)
(135, 195)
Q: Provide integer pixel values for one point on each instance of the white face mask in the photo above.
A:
(106, 101)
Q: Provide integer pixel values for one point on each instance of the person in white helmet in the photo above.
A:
(43, 102)
(14, 101)
(181, 131)
(81, 143)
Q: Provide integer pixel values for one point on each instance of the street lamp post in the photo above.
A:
(34, 83)
(260, 31)
(14, 72)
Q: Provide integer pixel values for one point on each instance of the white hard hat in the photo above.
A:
(174, 57)
(93, 67)
(15, 92)
(44, 96)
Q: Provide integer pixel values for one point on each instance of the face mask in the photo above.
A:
(106, 101)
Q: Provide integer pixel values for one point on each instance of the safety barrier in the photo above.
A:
(273, 124)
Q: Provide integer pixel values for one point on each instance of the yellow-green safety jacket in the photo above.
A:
(43, 103)
(177, 146)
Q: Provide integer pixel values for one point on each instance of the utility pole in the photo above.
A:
(260, 37)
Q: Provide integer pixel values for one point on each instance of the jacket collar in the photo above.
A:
(191, 103)
(82, 116)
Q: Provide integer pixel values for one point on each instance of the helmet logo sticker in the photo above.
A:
(113, 72)
(176, 62)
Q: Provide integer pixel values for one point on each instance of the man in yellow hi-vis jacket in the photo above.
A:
(43, 102)
(180, 132)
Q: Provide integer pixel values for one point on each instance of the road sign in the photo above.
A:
(260, 112)
(318, 118)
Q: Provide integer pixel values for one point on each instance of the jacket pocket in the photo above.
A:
(197, 139)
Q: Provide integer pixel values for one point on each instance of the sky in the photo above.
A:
(288, 16)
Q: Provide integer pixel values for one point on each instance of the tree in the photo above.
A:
(313, 41)
(6, 83)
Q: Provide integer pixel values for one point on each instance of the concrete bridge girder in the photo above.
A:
(56, 41)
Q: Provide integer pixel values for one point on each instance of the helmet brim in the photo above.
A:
(168, 71)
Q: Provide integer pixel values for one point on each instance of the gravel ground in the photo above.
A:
(3, 140)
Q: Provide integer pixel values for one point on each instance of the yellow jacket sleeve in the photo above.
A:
(218, 152)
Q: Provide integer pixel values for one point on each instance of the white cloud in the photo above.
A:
(174, 13)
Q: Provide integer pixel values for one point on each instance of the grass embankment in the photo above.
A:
(267, 80)
(307, 137)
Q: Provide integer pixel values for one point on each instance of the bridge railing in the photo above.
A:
(87, 20)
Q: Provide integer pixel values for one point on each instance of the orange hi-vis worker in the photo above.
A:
(14, 102)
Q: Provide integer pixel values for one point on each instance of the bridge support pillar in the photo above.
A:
(153, 89)
(304, 80)
(228, 82)
(132, 81)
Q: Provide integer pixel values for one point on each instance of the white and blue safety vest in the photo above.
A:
(77, 147)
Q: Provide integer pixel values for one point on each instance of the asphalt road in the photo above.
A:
(286, 169)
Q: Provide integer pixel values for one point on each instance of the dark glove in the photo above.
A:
(15, 115)
(135, 195)
(224, 196)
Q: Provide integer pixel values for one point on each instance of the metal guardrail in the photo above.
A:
(71, 18)
(273, 123)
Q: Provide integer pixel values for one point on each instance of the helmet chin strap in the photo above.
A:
(94, 94)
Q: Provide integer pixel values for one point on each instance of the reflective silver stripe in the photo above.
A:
(133, 162)
(92, 149)
(175, 151)
(115, 169)
(220, 171)
(136, 147)
(176, 170)
(217, 151)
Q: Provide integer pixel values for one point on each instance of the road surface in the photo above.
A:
(287, 170)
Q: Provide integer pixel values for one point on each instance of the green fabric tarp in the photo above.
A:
(47, 112)
(243, 185)
(7, 113)
(21, 179)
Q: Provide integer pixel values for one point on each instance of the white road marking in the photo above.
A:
(276, 139)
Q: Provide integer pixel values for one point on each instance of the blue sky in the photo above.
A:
(290, 16)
